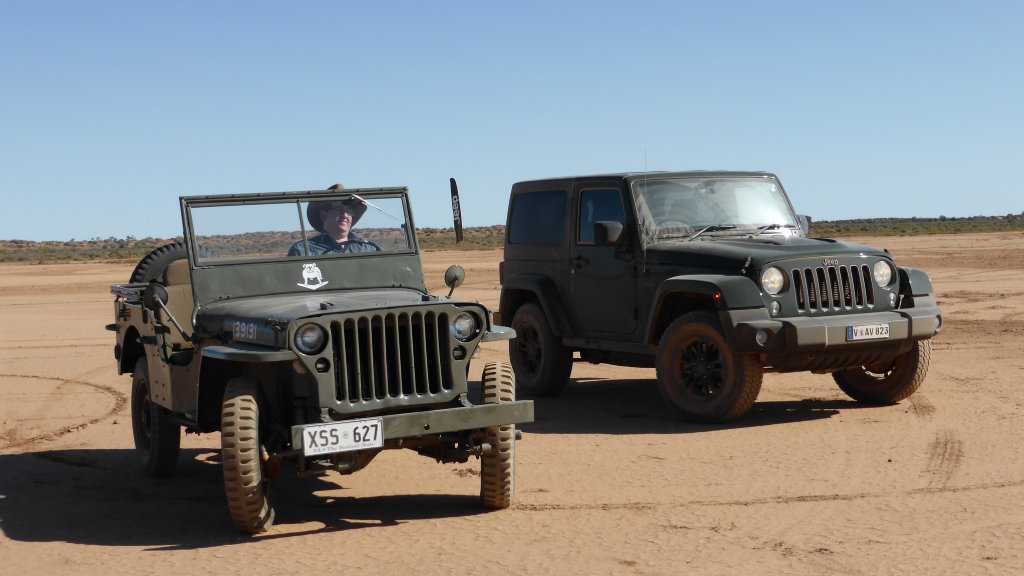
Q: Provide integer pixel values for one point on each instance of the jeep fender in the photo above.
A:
(733, 293)
(533, 287)
(914, 282)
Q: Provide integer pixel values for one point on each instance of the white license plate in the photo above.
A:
(342, 436)
(867, 332)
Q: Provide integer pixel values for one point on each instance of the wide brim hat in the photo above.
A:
(314, 210)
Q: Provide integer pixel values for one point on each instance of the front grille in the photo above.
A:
(389, 356)
(833, 288)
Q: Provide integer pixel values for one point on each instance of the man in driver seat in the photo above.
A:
(334, 220)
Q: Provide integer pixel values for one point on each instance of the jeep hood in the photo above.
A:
(276, 311)
(732, 253)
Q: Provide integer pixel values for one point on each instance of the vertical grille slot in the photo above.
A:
(812, 291)
(408, 358)
(834, 288)
(844, 277)
(444, 353)
(340, 365)
(423, 368)
(798, 287)
(858, 285)
(868, 287)
(432, 352)
(365, 354)
(823, 290)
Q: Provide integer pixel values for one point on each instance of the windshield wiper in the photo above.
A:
(375, 207)
(768, 227)
(711, 228)
(671, 236)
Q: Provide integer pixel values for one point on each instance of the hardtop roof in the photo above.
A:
(650, 174)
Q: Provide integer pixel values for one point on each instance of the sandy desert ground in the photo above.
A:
(808, 483)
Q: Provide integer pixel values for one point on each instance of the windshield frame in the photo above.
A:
(740, 230)
(297, 198)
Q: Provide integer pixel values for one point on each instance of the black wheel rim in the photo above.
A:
(528, 344)
(702, 369)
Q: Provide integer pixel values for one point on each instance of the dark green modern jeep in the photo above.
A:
(299, 326)
(710, 278)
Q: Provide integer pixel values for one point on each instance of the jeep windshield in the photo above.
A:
(691, 207)
(325, 226)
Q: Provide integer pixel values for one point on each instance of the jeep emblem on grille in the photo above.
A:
(830, 261)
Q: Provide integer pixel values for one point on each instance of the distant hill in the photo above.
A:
(490, 237)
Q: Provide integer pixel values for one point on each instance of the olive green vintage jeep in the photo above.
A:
(302, 343)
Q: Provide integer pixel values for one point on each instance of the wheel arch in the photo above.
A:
(130, 351)
(213, 379)
(680, 295)
(914, 282)
(538, 289)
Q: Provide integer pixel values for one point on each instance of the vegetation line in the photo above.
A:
(131, 249)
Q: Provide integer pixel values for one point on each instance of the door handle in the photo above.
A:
(579, 262)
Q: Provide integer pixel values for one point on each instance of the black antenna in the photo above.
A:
(456, 210)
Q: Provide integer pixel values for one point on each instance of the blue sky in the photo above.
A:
(109, 111)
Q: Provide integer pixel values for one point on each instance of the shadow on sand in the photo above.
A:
(598, 406)
(100, 497)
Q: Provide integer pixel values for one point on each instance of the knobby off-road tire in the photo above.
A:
(898, 382)
(700, 376)
(153, 265)
(247, 491)
(498, 467)
(157, 437)
(542, 365)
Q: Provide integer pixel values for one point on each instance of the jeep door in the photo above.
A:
(602, 277)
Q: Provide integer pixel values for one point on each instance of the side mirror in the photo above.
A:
(805, 222)
(607, 232)
(154, 296)
(453, 278)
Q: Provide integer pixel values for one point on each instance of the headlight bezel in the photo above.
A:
(888, 268)
(775, 285)
(473, 327)
(297, 339)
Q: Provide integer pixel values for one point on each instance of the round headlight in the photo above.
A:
(464, 327)
(773, 280)
(883, 273)
(310, 339)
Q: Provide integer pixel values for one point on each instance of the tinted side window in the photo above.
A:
(537, 218)
(597, 206)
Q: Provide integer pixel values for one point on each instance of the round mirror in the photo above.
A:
(454, 276)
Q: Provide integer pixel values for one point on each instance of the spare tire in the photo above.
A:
(154, 264)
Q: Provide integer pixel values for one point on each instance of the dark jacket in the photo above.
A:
(324, 244)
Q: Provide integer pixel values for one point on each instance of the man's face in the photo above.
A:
(337, 221)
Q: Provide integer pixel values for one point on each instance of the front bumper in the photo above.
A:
(433, 422)
(829, 333)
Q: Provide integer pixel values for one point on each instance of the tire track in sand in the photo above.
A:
(945, 454)
(120, 401)
(648, 506)
(921, 406)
